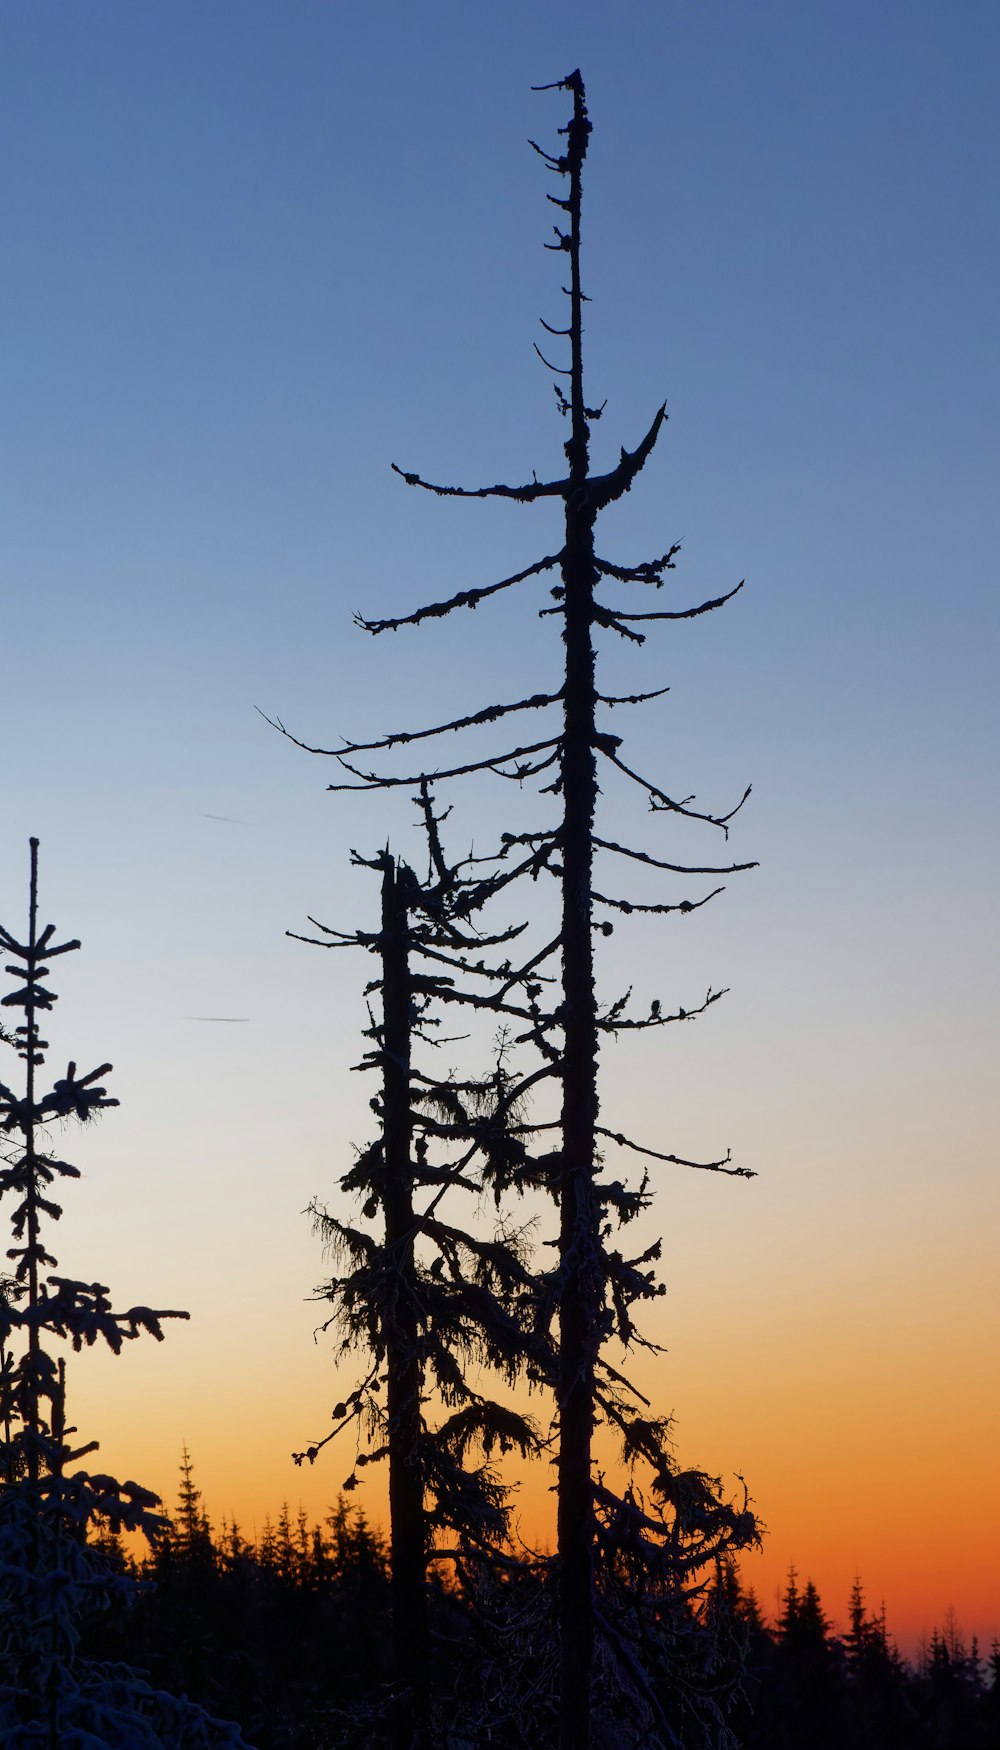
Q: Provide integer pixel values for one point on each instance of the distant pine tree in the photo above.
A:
(192, 1530)
(789, 1608)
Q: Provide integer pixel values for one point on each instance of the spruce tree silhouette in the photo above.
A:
(192, 1532)
(429, 1300)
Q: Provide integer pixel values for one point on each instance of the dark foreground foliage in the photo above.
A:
(291, 1637)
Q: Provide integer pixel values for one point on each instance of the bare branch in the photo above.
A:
(679, 613)
(555, 369)
(461, 964)
(666, 803)
(432, 823)
(355, 1404)
(569, 82)
(559, 164)
(446, 993)
(528, 838)
(488, 714)
(603, 489)
(317, 942)
(611, 622)
(631, 698)
(631, 905)
(719, 820)
(456, 939)
(530, 771)
(480, 970)
(673, 868)
(522, 494)
(536, 961)
(648, 571)
(653, 1154)
(617, 1023)
(372, 781)
(466, 598)
(492, 885)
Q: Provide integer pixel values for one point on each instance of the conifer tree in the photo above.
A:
(192, 1530)
(50, 1577)
(858, 1631)
(791, 1606)
(430, 1297)
(658, 1533)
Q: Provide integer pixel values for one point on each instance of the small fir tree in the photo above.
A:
(51, 1578)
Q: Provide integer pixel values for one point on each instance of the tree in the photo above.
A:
(192, 1531)
(427, 1296)
(791, 1606)
(630, 1541)
(859, 1634)
(50, 1577)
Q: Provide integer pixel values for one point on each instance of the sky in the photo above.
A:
(253, 255)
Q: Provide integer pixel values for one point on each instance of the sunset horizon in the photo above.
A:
(543, 932)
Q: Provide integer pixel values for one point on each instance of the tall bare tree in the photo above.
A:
(684, 1520)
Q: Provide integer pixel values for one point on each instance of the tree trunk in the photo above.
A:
(32, 1408)
(579, 1304)
(406, 1491)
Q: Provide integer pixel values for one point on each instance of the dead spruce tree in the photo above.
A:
(427, 1299)
(625, 1557)
(50, 1577)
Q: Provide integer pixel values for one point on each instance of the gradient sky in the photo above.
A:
(252, 254)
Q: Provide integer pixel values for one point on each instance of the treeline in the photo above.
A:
(290, 1634)
(806, 1684)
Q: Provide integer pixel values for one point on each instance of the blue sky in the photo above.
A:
(253, 254)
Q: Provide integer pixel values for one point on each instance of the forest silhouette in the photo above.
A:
(293, 1636)
(469, 1337)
